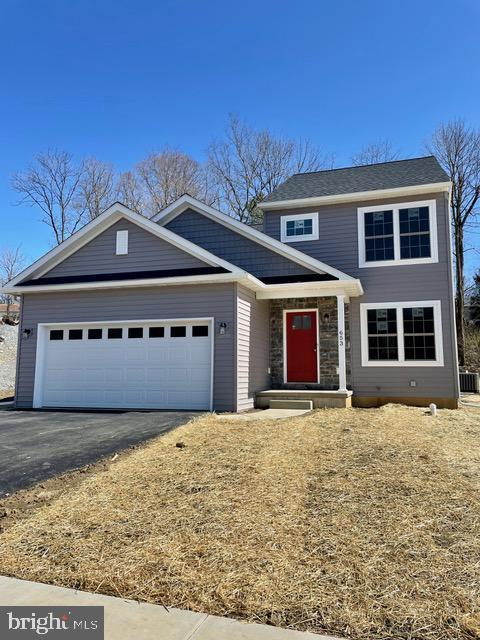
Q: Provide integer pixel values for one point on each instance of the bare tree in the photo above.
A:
(130, 192)
(96, 188)
(457, 148)
(12, 262)
(167, 175)
(52, 184)
(381, 151)
(249, 164)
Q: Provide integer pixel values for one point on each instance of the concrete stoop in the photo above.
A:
(318, 398)
(291, 404)
(127, 619)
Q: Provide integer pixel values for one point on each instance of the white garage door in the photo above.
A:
(154, 365)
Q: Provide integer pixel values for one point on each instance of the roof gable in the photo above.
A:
(247, 254)
(308, 263)
(145, 252)
(117, 212)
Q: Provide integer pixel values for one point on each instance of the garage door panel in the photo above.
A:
(178, 376)
(198, 378)
(114, 397)
(94, 396)
(161, 372)
(157, 376)
(156, 397)
(135, 397)
(157, 352)
(74, 397)
(135, 355)
(135, 376)
(114, 376)
(178, 354)
(95, 376)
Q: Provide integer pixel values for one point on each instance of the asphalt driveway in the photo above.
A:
(35, 445)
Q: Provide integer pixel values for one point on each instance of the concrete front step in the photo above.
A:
(291, 404)
(321, 399)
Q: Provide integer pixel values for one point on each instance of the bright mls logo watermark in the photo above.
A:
(58, 623)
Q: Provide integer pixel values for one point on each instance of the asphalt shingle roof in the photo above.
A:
(386, 175)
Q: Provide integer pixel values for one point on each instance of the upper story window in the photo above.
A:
(298, 228)
(401, 334)
(403, 233)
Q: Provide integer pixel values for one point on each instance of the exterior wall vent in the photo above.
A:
(122, 243)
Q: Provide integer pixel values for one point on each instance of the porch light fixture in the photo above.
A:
(26, 333)
(223, 328)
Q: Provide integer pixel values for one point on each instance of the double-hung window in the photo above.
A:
(401, 334)
(403, 233)
(297, 228)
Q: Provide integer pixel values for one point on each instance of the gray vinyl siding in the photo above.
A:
(145, 252)
(231, 246)
(338, 246)
(156, 303)
(253, 317)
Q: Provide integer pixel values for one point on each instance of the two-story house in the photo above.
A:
(346, 296)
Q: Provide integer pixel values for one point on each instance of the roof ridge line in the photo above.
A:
(360, 166)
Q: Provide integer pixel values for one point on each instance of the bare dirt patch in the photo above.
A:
(363, 523)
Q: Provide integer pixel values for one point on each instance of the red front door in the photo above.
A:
(301, 346)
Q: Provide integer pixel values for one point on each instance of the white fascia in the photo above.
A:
(187, 202)
(114, 213)
(242, 277)
(378, 194)
(349, 288)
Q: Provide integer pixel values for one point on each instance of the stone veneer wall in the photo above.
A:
(327, 335)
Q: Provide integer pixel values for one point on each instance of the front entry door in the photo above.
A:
(301, 346)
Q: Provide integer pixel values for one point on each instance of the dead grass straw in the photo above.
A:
(362, 523)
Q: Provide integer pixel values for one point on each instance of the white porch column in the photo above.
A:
(342, 369)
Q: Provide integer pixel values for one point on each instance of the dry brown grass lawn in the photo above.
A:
(363, 523)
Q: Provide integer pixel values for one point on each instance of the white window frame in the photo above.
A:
(121, 248)
(432, 209)
(399, 306)
(299, 216)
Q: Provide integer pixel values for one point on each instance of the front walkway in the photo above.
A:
(126, 619)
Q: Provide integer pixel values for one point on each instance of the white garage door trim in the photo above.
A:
(42, 340)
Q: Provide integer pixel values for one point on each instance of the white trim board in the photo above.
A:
(187, 202)
(327, 288)
(263, 291)
(143, 282)
(44, 327)
(395, 208)
(284, 329)
(401, 362)
(378, 194)
(109, 217)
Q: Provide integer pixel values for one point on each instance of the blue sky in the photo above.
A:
(117, 79)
